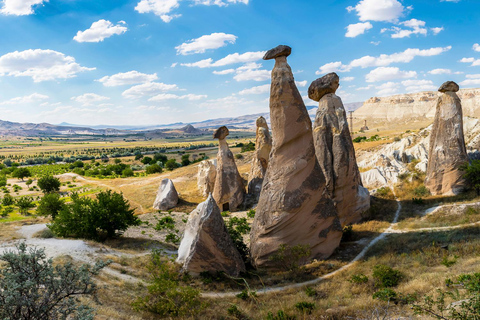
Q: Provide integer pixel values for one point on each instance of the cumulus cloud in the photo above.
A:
(40, 65)
(301, 83)
(170, 96)
(472, 80)
(476, 47)
(383, 60)
(357, 29)
(206, 42)
(127, 78)
(161, 8)
(88, 99)
(148, 89)
(387, 89)
(99, 31)
(20, 7)
(416, 27)
(220, 3)
(418, 85)
(230, 59)
(388, 73)
(251, 71)
(224, 72)
(440, 71)
(474, 62)
(436, 30)
(256, 90)
(34, 97)
(378, 10)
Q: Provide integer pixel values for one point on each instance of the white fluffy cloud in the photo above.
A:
(224, 72)
(34, 97)
(333, 67)
(161, 8)
(436, 30)
(251, 71)
(472, 80)
(476, 47)
(416, 27)
(388, 73)
(418, 85)
(347, 79)
(20, 7)
(230, 59)
(387, 89)
(440, 71)
(474, 62)
(88, 99)
(40, 65)
(357, 29)
(206, 42)
(100, 30)
(148, 89)
(256, 90)
(170, 96)
(127, 78)
(220, 3)
(378, 10)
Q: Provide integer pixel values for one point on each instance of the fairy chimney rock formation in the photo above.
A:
(206, 245)
(207, 171)
(335, 151)
(167, 196)
(447, 145)
(263, 146)
(228, 191)
(294, 208)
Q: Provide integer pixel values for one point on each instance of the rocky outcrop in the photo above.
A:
(447, 145)
(294, 207)
(167, 196)
(206, 245)
(263, 146)
(335, 151)
(207, 171)
(229, 190)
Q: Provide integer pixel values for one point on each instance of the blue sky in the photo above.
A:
(147, 62)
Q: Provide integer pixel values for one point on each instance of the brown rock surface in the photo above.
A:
(228, 191)
(294, 208)
(324, 85)
(336, 156)
(263, 146)
(207, 171)
(447, 148)
(449, 86)
(206, 244)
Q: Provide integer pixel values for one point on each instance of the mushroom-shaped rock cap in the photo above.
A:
(327, 84)
(449, 86)
(221, 133)
(261, 122)
(276, 52)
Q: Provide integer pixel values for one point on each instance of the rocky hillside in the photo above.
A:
(415, 106)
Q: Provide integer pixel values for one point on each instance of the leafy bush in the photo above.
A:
(306, 307)
(165, 223)
(21, 173)
(236, 228)
(24, 204)
(238, 156)
(384, 192)
(128, 172)
(96, 219)
(171, 164)
(251, 213)
(472, 175)
(3, 180)
(49, 184)
(50, 205)
(386, 294)
(185, 160)
(421, 191)
(310, 292)
(166, 296)
(385, 276)
(250, 146)
(153, 168)
(42, 291)
(360, 139)
(358, 278)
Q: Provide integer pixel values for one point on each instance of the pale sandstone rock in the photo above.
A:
(294, 207)
(229, 191)
(263, 146)
(447, 146)
(167, 196)
(206, 245)
(336, 154)
(207, 171)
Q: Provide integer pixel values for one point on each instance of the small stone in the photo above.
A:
(276, 52)
(167, 196)
(449, 86)
(324, 85)
(221, 133)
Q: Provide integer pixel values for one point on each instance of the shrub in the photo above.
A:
(50, 205)
(472, 175)
(305, 307)
(250, 146)
(3, 181)
(386, 294)
(310, 292)
(21, 173)
(171, 164)
(421, 191)
(238, 156)
(385, 276)
(384, 192)
(153, 168)
(291, 258)
(29, 182)
(146, 160)
(360, 139)
(24, 204)
(128, 172)
(166, 296)
(49, 184)
(236, 228)
(185, 160)
(42, 291)
(251, 213)
(281, 315)
(347, 233)
(104, 217)
(358, 278)
(165, 223)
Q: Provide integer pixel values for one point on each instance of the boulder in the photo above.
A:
(206, 245)
(324, 85)
(207, 171)
(447, 146)
(263, 146)
(449, 86)
(229, 191)
(336, 154)
(167, 196)
(294, 208)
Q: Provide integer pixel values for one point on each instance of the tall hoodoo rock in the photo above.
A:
(335, 151)
(167, 196)
(447, 145)
(207, 171)
(206, 244)
(229, 191)
(294, 207)
(263, 146)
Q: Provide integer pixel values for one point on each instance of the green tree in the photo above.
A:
(146, 160)
(24, 204)
(43, 291)
(50, 205)
(153, 168)
(472, 175)
(49, 184)
(3, 180)
(171, 164)
(185, 160)
(160, 157)
(8, 200)
(128, 172)
(21, 173)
